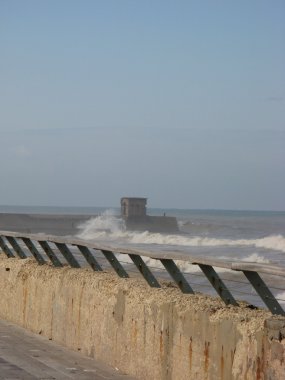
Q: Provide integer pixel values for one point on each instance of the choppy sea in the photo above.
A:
(249, 236)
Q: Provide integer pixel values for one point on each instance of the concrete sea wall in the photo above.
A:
(149, 333)
(60, 224)
(163, 224)
(54, 224)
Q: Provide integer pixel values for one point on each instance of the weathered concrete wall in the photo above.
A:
(54, 224)
(149, 333)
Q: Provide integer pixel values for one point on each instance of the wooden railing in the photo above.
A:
(49, 248)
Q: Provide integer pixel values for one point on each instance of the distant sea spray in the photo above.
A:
(108, 226)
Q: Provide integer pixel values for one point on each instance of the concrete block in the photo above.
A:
(145, 332)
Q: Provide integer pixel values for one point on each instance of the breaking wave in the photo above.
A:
(186, 267)
(256, 258)
(104, 225)
(281, 298)
(109, 227)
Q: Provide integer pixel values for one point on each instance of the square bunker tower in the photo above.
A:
(133, 207)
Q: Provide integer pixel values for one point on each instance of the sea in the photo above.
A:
(247, 236)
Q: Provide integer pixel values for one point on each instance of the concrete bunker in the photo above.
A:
(133, 207)
(134, 213)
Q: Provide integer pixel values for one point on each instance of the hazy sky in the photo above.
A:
(179, 101)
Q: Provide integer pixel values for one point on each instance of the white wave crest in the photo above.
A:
(184, 266)
(102, 226)
(109, 227)
(276, 242)
(256, 258)
(281, 298)
(187, 267)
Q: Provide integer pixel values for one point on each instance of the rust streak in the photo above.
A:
(206, 355)
(161, 344)
(25, 302)
(232, 356)
(222, 364)
(258, 370)
(134, 333)
(190, 354)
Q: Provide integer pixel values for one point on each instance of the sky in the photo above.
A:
(182, 102)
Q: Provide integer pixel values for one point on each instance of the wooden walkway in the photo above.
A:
(27, 356)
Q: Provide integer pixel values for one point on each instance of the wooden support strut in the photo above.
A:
(50, 254)
(264, 292)
(67, 255)
(34, 251)
(218, 284)
(145, 271)
(115, 263)
(177, 276)
(16, 247)
(5, 248)
(90, 258)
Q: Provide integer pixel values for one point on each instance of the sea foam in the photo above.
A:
(108, 227)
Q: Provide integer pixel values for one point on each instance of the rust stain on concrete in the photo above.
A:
(232, 356)
(25, 294)
(134, 332)
(206, 356)
(116, 302)
(161, 344)
(260, 364)
(222, 364)
(258, 370)
(190, 353)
